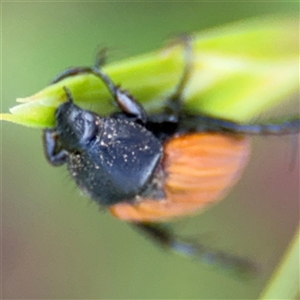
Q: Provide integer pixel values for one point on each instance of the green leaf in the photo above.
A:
(239, 71)
(284, 283)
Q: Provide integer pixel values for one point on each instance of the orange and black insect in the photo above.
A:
(147, 169)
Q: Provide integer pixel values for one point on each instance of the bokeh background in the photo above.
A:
(56, 244)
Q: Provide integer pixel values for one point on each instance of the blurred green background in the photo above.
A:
(56, 244)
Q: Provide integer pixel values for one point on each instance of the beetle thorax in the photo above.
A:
(118, 164)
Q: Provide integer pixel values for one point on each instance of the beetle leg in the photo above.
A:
(99, 62)
(56, 157)
(173, 105)
(101, 58)
(285, 127)
(69, 73)
(124, 100)
(166, 238)
(204, 123)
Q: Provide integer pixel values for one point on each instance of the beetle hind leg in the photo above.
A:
(241, 267)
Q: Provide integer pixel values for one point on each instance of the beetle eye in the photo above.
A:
(89, 127)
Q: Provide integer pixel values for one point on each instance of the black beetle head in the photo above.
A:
(76, 127)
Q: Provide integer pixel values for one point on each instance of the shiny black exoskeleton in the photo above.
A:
(113, 158)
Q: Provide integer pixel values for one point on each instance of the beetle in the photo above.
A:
(147, 169)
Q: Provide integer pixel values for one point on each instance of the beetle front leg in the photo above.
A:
(55, 155)
(124, 100)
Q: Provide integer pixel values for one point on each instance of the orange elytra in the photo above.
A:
(199, 168)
